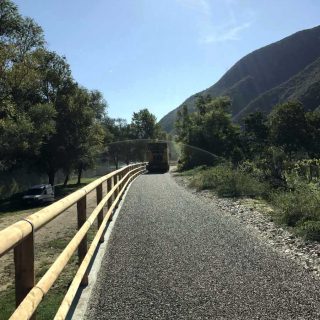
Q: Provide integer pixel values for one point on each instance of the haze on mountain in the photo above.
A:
(288, 69)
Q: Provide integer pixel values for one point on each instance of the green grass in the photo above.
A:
(7, 303)
(46, 310)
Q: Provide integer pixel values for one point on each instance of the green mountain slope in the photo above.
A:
(263, 70)
(305, 87)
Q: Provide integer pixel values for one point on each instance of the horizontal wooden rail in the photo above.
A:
(15, 233)
(27, 293)
(72, 291)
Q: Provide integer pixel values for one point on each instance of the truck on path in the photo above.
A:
(158, 156)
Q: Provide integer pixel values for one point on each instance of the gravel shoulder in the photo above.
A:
(177, 255)
(257, 216)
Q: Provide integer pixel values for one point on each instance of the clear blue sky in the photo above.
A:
(156, 53)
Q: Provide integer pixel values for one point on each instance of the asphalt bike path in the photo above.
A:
(172, 255)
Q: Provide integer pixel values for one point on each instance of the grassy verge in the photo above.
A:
(46, 253)
(228, 182)
(46, 256)
(297, 206)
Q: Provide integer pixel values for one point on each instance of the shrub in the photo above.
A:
(192, 172)
(310, 230)
(228, 182)
(298, 205)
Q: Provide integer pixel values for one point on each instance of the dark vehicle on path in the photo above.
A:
(158, 156)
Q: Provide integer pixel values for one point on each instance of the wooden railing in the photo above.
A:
(20, 237)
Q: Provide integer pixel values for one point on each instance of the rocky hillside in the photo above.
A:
(287, 69)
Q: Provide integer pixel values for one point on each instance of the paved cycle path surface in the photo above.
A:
(172, 255)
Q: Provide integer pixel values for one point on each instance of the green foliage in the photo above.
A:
(128, 141)
(308, 169)
(228, 182)
(288, 127)
(144, 125)
(47, 121)
(310, 230)
(313, 120)
(298, 204)
(207, 135)
(256, 133)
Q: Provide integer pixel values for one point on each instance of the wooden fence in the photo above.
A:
(20, 238)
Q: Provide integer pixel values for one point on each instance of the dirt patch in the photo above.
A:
(49, 241)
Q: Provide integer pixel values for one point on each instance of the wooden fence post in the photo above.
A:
(82, 249)
(109, 187)
(24, 268)
(118, 177)
(100, 215)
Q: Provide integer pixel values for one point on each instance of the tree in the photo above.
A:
(208, 135)
(202, 103)
(255, 134)
(288, 127)
(183, 124)
(56, 88)
(47, 121)
(118, 132)
(90, 134)
(25, 120)
(313, 120)
(79, 134)
(126, 141)
(144, 125)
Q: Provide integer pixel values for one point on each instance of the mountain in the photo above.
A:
(305, 87)
(286, 69)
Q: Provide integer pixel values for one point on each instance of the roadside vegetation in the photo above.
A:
(274, 157)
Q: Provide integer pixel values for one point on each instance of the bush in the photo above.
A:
(298, 205)
(310, 230)
(192, 172)
(228, 182)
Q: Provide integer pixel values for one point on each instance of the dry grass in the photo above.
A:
(49, 243)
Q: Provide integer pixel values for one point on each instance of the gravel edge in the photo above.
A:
(280, 239)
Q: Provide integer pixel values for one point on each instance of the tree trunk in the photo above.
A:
(79, 173)
(116, 162)
(51, 176)
(66, 179)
